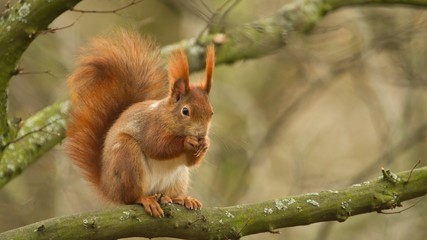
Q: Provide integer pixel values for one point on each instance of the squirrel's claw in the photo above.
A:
(191, 143)
(198, 145)
(202, 147)
(151, 206)
(188, 202)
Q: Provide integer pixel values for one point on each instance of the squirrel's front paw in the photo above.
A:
(203, 146)
(196, 145)
(191, 143)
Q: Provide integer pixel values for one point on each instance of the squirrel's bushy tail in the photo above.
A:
(112, 74)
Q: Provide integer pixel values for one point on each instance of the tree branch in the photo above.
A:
(37, 135)
(385, 192)
(19, 25)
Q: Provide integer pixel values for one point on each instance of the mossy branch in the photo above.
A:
(37, 135)
(386, 192)
(19, 25)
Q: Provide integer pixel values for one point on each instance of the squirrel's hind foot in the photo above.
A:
(188, 202)
(152, 206)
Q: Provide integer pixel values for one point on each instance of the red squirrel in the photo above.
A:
(132, 132)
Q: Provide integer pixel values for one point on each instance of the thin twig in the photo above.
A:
(416, 136)
(227, 11)
(21, 71)
(410, 173)
(195, 10)
(134, 2)
(41, 129)
(53, 30)
(216, 14)
(115, 11)
(400, 211)
(206, 6)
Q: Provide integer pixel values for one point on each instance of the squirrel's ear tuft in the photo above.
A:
(178, 74)
(210, 64)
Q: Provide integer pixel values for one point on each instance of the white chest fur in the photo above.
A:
(161, 175)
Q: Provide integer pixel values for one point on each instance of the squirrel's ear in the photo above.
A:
(178, 89)
(210, 64)
(178, 74)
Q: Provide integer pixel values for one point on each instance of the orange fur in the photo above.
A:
(178, 74)
(104, 84)
(210, 62)
(178, 68)
(122, 181)
(128, 135)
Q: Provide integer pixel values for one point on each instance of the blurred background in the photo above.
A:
(326, 111)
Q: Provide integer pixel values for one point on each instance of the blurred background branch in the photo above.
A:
(36, 135)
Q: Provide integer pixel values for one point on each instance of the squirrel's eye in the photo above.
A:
(185, 111)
